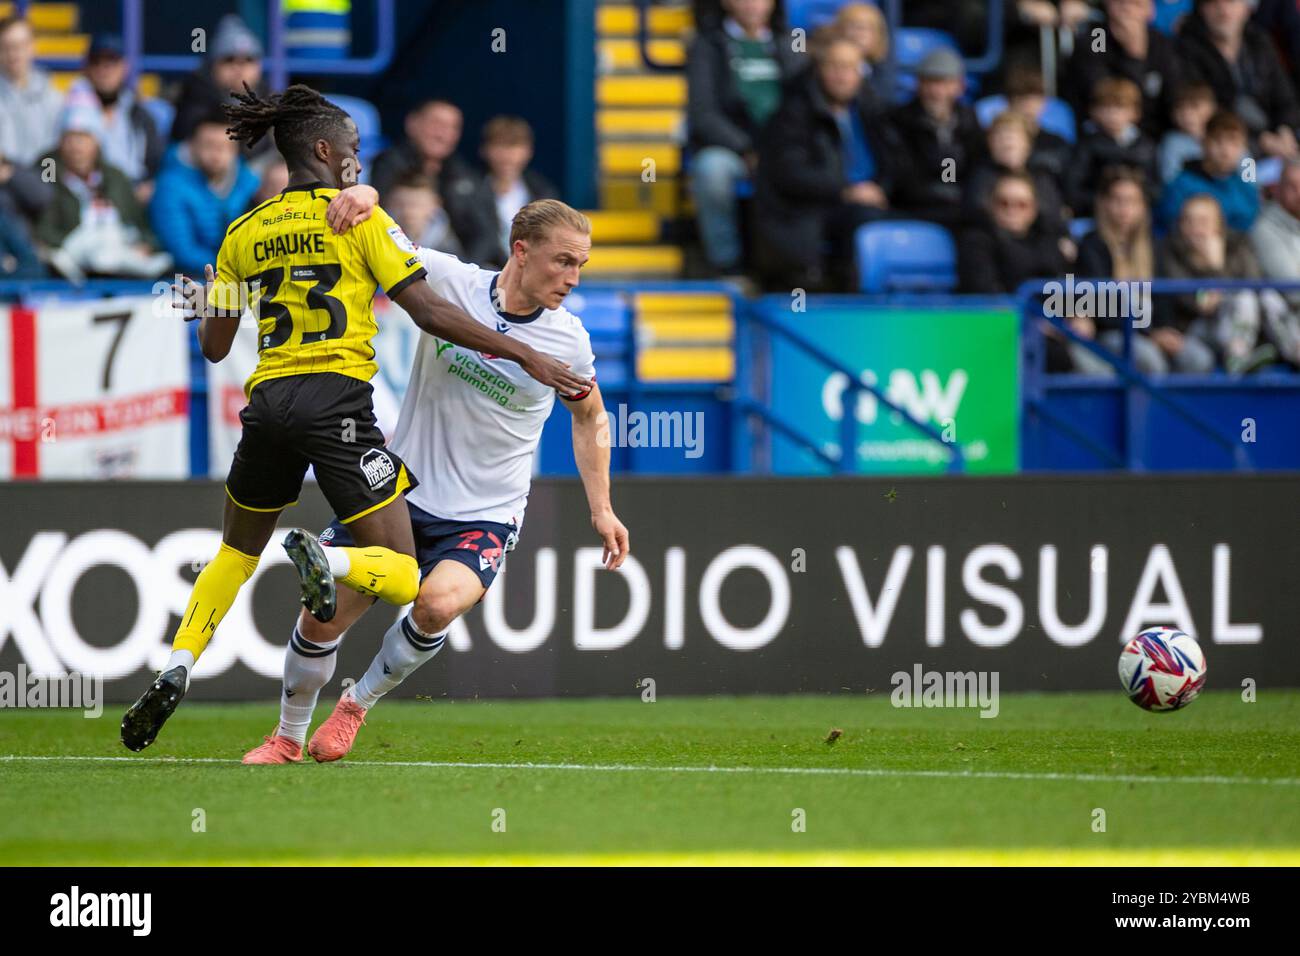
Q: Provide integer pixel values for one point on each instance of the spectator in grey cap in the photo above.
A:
(939, 140)
(29, 103)
(234, 59)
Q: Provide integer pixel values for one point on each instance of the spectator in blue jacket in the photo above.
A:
(1222, 173)
(205, 188)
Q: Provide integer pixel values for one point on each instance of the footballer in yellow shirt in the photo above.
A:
(309, 399)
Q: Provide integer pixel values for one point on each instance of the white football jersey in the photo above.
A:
(470, 422)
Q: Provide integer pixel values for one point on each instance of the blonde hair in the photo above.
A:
(534, 222)
(851, 11)
(1132, 257)
(1010, 118)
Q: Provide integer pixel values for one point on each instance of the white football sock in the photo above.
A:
(405, 648)
(340, 563)
(183, 659)
(307, 668)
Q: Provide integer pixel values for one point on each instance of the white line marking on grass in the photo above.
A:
(639, 768)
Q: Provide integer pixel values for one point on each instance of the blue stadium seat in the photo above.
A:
(162, 113)
(913, 44)
(1168, 12)
(810, 14)
(1080, 228)
(1057, 116)
(905, 256)
(366, 116)
(607, 317)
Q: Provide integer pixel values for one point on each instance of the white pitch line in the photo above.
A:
(638, 768)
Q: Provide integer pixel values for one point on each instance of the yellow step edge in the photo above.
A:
(631, 159)
(678, 302)
(669, 90)
(622, 20)
(626, 193)
(623, 225)
(625, 54)
(147, 85)
(47, 17)
(660, 260)
(73, 44)
(717, 331)
(685, 364)
(616, 122)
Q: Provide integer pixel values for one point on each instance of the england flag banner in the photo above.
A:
(94, 389)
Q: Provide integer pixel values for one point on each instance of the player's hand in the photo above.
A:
(351, 207)
(614, 536)
(556, 374)
(193, 297)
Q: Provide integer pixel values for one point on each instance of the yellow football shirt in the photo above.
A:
(310, 289)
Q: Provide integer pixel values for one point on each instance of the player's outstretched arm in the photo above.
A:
(591, 445)
(435, 315)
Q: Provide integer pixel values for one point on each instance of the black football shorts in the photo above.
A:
(324, 420)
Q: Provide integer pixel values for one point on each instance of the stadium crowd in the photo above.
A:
(1184, 161)
(92, 186)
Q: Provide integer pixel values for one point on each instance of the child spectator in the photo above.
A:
(94, 225)
(200, 194)
(510, 185)
(1026, 95)
(1010, 144)
(414, 205)
(1197, 325)
(939, 138)
(1111, 137)
(1220, 173)
(1193, 107)
(1119, 248)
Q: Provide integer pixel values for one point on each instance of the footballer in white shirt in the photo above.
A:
(469, 427)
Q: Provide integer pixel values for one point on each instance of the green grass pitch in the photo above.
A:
(623, 781)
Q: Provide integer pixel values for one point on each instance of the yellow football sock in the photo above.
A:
(386, 574)
(214, 592)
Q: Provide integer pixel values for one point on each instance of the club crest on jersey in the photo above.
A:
(326, 536)
(378, 468)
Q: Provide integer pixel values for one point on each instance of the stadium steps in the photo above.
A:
(47, 17)
(67, 44)
(621, 55)
(639, 117)
(684, 336)
(623, 225)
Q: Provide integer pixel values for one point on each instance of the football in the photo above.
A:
(1162, 669)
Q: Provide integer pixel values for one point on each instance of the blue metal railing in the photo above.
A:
(1137, 386)
(279, 63)
(987, 62)
(750, 409)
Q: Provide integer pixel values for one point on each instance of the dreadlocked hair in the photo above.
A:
(299, 117)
